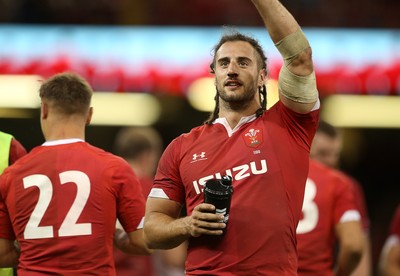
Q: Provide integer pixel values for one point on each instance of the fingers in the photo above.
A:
(204, 221)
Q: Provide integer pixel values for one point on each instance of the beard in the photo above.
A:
(237, 99)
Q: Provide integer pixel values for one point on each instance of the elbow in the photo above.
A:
(149, 238)
(151, 245)
(141, 250)
(147, 244)
(303, 64)
(153, 242)
(147, 251)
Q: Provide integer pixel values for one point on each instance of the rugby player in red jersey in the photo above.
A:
(330, 215)
(327, 149)
(265, 152)
(61, 201)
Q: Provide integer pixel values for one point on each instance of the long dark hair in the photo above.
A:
(262, 63)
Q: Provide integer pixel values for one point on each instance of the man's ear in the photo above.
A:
(89, 117)
(262, 77)
(44, 110)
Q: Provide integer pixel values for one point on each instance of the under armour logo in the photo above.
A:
(199, 156)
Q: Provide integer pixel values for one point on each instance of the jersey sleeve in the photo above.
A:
(130, 202)
(16, 151)
(301, 126)
(360, 204)
(167, 182)
(345, 208)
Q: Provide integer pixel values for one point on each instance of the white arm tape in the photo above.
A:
(301, 89)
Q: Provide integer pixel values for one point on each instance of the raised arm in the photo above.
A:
(277, 19)
(297, 83)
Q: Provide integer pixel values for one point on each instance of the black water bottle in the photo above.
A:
(218, 192)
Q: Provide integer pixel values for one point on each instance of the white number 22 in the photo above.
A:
(69, 227)
(310, 209)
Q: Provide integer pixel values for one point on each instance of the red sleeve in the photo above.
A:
(130, 203)
(344, 198)
(168, 177)
(16, 151)
(361, 205)
(359, 198)
(302, 126)
(147, 184)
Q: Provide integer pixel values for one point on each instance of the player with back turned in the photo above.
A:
(265, 152)
(61, 201)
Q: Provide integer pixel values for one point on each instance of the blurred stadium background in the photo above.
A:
(148, 63)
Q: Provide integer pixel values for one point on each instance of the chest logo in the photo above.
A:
(253, 138)
(198, 156)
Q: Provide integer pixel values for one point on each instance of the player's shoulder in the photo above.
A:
(320, 167)
(196, 131)
(350, 179)
(106, 156)
(328, 172)
(193, 134)
(345, 178)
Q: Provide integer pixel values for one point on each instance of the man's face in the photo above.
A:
(326, 149)
(237, 75)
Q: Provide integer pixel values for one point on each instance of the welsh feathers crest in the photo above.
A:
(253, 137)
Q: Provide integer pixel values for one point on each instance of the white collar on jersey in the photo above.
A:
(62, 142)
(228, 128)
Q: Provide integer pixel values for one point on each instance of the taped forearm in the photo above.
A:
(301, 89)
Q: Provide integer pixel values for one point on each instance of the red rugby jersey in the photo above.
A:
(268, 160)
(328, 200)
(61, 202)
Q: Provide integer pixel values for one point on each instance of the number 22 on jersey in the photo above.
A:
(69, 227)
